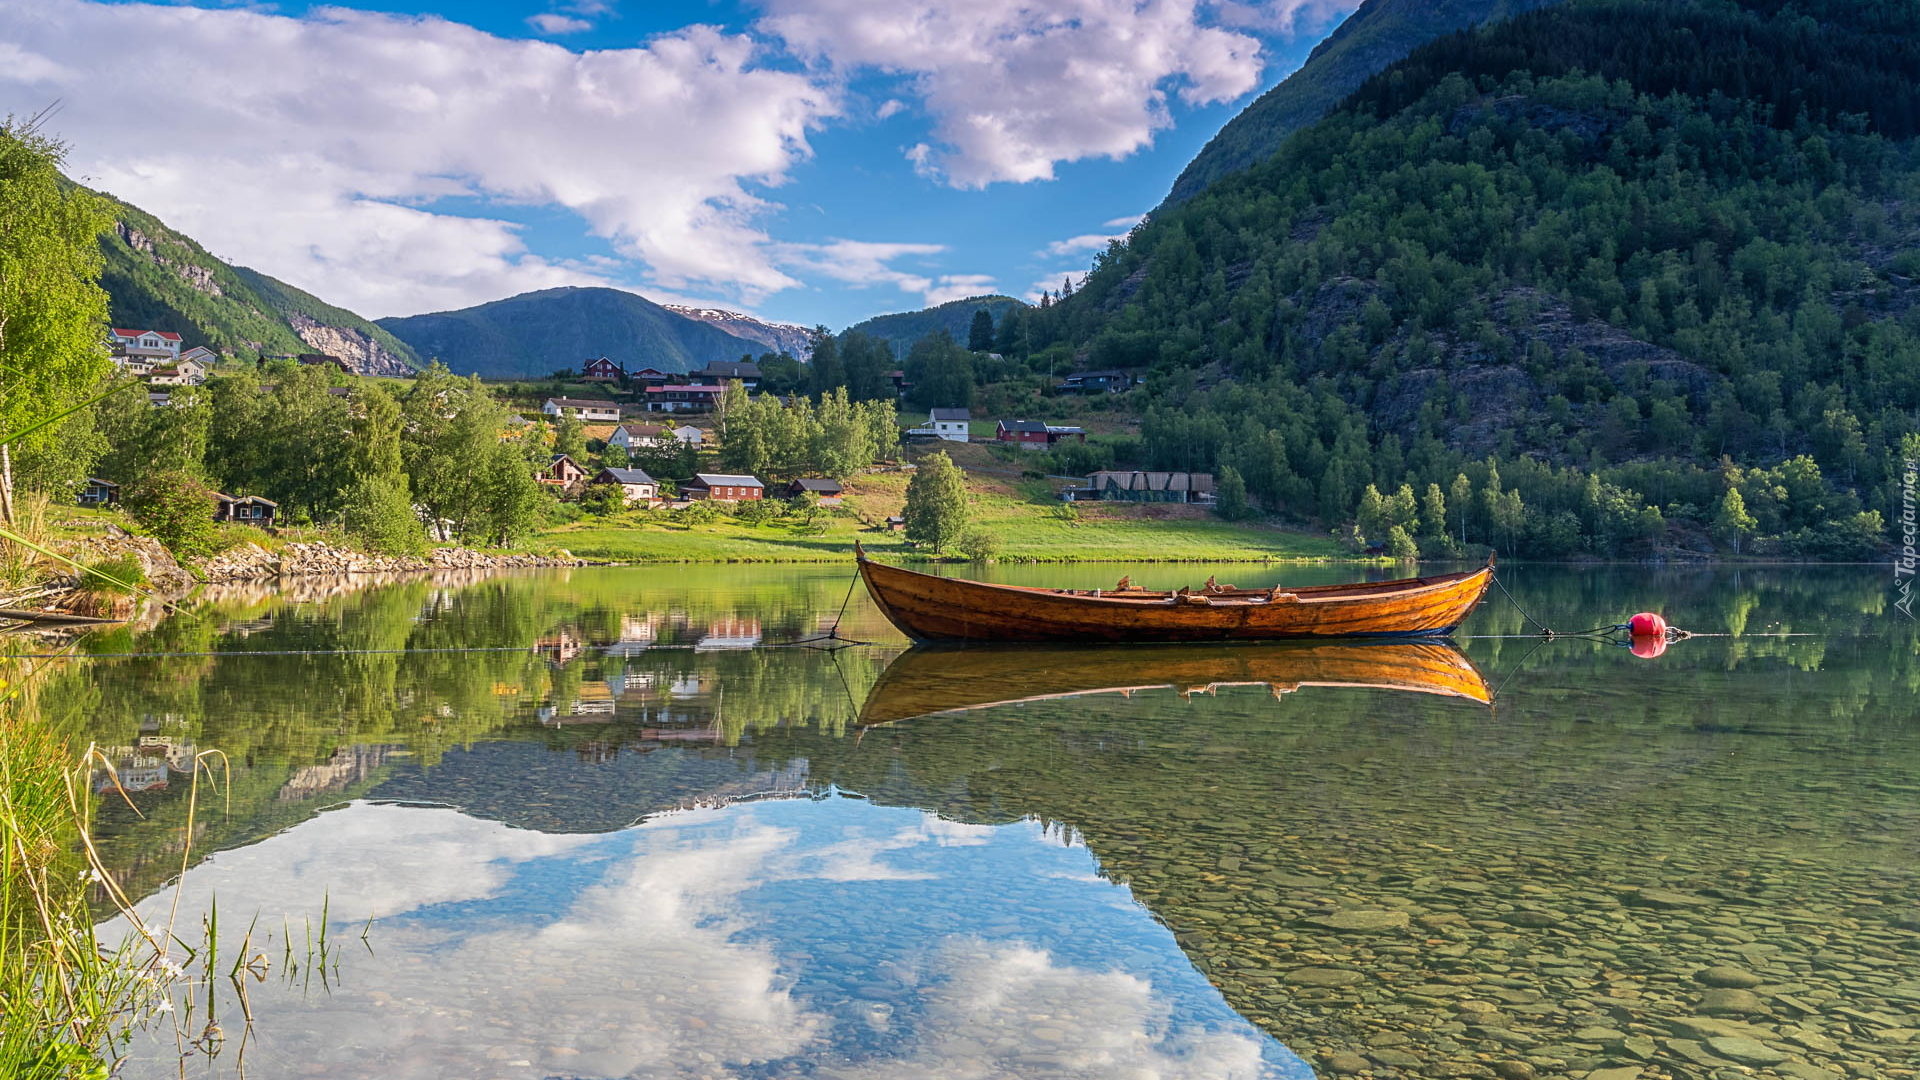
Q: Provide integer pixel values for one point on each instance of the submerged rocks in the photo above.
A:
(1727, 975)
(1324, 977)
(1363, 922)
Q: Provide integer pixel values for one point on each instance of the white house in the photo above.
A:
(586, 409)
(688, 434)
(949, 425)
(184, 373)
(634, 483)
(151, 346)
(629, 436)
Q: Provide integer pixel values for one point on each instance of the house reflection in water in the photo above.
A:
(592, 704)
(149, 764)
(348, 766)
(730, 632)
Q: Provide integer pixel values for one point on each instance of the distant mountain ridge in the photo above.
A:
(902, 329)
(1377, 34)
(160, 279)
(795, 341)
(532, 335)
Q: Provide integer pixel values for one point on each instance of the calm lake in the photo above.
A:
(589, 824)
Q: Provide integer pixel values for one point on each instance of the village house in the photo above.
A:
(1034, 435)
(1124, 486)
(587, 410)
(721, 487)
(183, 372)
(143, 348)
(629, 437)
(98, 492)
(1097, 382)
(829, 491)
(636, 484)
(685, 397)
(723, 372)
(689, 435)
(948, 425)
(602, 370)
(244, 509)
(561, 472)
(201, 355)
(649, 376)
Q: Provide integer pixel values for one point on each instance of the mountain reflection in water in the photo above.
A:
(1359, 871)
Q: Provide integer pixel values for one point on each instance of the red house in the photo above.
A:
(1028, 433)
(602, 370)
(721, 487)
(561, 472)
(1034, 435)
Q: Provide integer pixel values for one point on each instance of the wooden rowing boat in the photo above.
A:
(931, 679)
(930, 608)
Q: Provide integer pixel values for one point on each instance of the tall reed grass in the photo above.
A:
(78, 986)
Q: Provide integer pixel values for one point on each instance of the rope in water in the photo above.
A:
(798, 643)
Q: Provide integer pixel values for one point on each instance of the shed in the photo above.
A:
(245, 509)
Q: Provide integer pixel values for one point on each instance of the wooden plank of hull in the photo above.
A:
(937, 679)
(929, 608)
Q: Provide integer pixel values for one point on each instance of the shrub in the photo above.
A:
(979, 544)
(381, 517)
(603, 500)
(175, 509)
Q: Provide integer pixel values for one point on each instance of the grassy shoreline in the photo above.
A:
(1029, 525)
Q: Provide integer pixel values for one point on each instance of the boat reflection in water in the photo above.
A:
(931, 679)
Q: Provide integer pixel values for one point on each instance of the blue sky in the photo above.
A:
(810, 161)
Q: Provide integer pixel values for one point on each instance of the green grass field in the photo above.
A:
(1024, 519)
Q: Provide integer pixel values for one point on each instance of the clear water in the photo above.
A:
(622, 842)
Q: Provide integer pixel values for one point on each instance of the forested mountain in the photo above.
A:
(1617, 276)
(1378, 33)
(159, 279)
(901, 330)
(537, 333)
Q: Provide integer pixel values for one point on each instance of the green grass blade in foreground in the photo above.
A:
(6, 440)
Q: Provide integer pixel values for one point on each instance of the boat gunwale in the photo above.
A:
(1329, 594)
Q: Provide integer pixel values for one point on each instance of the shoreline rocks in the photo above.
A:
(251, 562)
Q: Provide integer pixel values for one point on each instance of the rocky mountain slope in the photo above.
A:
(159, 279)
(795, 341)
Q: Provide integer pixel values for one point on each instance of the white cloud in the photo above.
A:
(1016, 87)
(958, 287)
(315, 148)
(1127, 222)
(866, 263)
(552, 22)
(1075, 245)
(1279, 16)
(889, 107)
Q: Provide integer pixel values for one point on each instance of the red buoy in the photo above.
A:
(1648, 646)
(1647, 624)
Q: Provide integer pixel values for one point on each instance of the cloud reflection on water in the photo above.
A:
(664, 951)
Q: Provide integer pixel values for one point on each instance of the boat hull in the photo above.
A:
(929, 679)
(929, 608)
